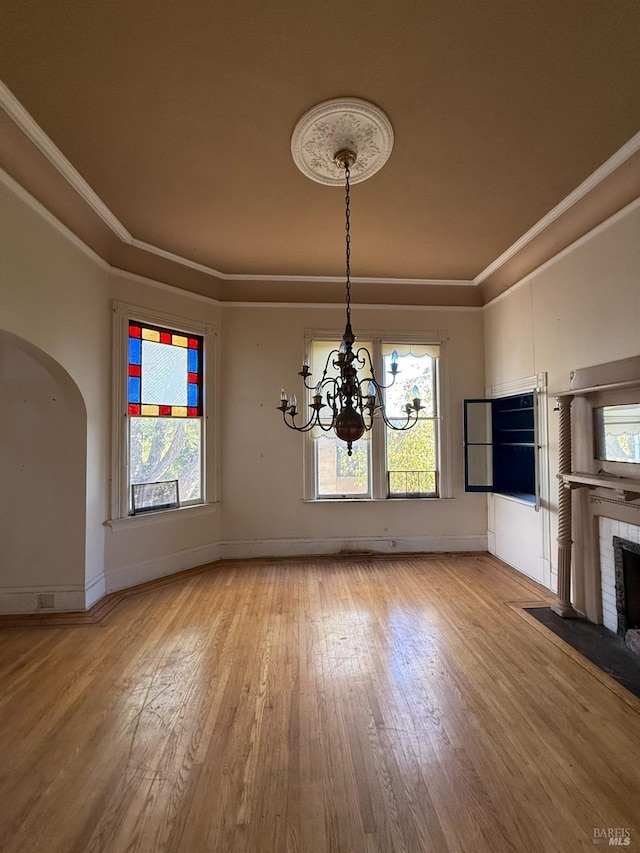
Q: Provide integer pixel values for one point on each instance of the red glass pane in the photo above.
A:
(193, 343)
(134, 370)
(165, 338)
(165, 411)
(192, 377)
(134, 408)
(135, 331)
(192, 411)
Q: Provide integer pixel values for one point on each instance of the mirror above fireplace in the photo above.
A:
(617, 433)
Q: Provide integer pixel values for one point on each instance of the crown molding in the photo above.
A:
(27, 124)
(337, 279)
(607, 168)
(226, 276)
(361, 306)
(51, 219)
(33, 203)
(32, 130)
(593, 232)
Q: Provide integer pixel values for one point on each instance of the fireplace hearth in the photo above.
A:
(627, 579)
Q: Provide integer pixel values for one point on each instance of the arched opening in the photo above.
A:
(43, 440)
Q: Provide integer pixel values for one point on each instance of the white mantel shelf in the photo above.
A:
(626, 488)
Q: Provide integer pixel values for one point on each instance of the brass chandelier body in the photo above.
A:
(348, 394)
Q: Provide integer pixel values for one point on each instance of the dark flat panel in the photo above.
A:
(599, 645)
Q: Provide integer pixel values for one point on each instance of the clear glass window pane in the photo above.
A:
(478, 422)
(411, 460)
(416, 369)
(480, 465)
(167, 449)
(337, 473)
(164, 374)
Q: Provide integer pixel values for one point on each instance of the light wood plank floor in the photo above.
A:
(320, 706)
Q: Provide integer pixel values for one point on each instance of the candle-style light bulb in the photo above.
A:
(293, 401)
(371, 389)
(415, 392)
(305, 361)
(283, 396)
(318, 391)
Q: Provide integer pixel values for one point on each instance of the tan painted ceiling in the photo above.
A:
(179, 116)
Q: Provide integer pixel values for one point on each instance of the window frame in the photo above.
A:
(123, 313)
(378, 486)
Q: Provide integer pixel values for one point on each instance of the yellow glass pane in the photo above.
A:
(179, 341)
(151, 335)
(178, 411)
(148, 409)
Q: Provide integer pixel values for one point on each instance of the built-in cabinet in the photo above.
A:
(501, 446)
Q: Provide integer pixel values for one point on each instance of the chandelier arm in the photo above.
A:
(361, 359)
(326, 365)
(310, 424)
(411, 419)
(372, 368)
(379, 384)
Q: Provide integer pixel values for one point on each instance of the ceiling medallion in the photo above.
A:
(336, 125)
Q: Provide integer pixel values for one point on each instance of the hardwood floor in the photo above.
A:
(360, 706)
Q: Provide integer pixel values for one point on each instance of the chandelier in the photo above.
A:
(347, 395)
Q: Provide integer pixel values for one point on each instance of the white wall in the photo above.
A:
(56, 298)
(262, 460)
(580, 309)
(43, 441)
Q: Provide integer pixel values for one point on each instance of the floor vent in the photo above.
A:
(45, 601)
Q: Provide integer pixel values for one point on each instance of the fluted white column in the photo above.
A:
(562, 604)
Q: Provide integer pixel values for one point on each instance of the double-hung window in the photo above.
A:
(385, 462)
(160, 442)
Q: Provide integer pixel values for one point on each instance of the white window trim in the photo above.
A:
(377, 459)
(122, 314)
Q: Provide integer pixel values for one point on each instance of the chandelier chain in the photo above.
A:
(353, 399)
(347, 172)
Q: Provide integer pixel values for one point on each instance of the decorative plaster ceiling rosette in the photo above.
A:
(335, 125)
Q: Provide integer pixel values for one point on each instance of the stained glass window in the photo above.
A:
(165, 373)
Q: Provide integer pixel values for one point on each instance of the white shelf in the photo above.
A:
(626, 488)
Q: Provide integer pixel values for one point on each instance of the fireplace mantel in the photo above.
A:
(585, 490)
(625, 488)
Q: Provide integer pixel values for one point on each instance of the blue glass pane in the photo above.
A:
(164, 374)
(193, 394)
(134, 389)
(135, 350)
(193, 361)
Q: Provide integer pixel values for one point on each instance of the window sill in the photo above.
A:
(371, 500)
(131, 522)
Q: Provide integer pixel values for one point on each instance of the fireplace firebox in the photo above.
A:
(627, 575)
